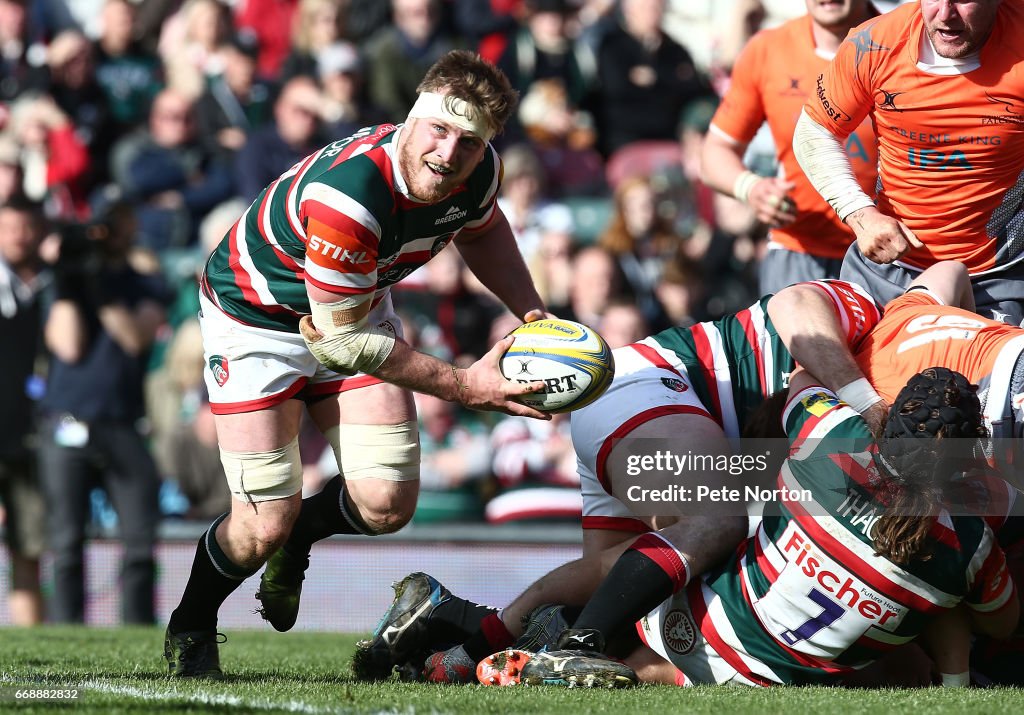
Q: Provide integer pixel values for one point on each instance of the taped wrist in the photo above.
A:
(348, 343)
(744, 183)
(859, 395)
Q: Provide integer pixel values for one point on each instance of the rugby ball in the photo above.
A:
(573, 361)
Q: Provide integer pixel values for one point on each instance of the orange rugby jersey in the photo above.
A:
(772, 78)
(918, 332)
(951, 148)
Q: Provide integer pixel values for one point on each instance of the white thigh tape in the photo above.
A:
(390, 452)
(263, 476)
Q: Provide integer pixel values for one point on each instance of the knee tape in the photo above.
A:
(262, 476)
(390, 452)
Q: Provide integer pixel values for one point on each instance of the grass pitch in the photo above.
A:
(123, 671)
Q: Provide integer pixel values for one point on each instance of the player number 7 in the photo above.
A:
(830, 613)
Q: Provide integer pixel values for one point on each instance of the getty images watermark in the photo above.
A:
(692, 463)
(832, 477)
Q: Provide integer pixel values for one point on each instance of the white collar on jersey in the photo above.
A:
(932, 62)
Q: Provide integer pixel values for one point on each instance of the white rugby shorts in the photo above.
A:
(672, 631)
(649, 382)
(249, 368)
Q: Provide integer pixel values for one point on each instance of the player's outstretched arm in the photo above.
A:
(806, 321)
(341, 337)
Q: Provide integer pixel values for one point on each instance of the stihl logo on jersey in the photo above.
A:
(326, 248)
(834, 580)
(453, 214)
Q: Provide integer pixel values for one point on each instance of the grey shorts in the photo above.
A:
(782, 267)
(25, 507)
(999, 296)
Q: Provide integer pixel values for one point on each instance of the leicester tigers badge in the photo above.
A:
(674, 384)
(679, 632)
(219, 368)
(439, 243)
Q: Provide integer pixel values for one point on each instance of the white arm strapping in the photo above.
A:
(859, 395)
(348, 346)
(825, 163)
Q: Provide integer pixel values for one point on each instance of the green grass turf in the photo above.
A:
(122, 671)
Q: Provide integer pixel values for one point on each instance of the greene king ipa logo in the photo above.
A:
(219, 368)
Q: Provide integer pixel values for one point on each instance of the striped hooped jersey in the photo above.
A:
(735, 362)
(806, 597)
(341, 219)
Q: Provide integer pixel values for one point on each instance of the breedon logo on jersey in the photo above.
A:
(452, 214)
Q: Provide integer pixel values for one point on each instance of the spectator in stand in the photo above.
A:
(17, 73)
(552, 269)
(455, 449)
(54, 161)
(99, 330)
(74, 88)
(543, 49)
(642, 243)
(317, 24)
(488, 25)
(399, 55)
(680, 290)
(596, 284)
(190, 42)
(234, 103)
(271, 22)
(294, 134)
(523, 198)
(22, 278)
(535, 466)
(345, 106)
(622, 324)
(172, 179)
(363, 18)
(646, 78)
(129, 76)
(564, 140)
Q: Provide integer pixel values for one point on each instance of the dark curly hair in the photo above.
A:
(917, 457)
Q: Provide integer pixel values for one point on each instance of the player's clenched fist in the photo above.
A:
(881, 238)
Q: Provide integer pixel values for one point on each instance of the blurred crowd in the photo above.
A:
(132, 136)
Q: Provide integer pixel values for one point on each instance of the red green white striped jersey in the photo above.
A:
(806, 598)
(735, 362)
(341, 219)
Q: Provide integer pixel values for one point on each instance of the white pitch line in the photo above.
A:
(206, 698)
